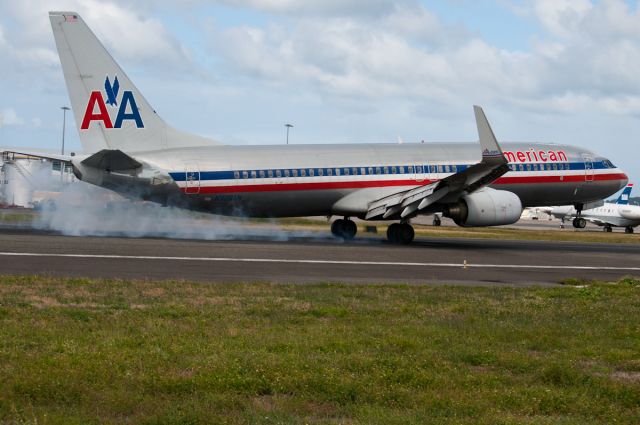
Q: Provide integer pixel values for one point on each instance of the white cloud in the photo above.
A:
(320, 7)
(126, 34)
(9, 117)
(589, 51)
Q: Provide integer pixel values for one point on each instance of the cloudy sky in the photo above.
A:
(564, 71)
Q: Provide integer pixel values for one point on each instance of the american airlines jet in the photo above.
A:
(132, 151)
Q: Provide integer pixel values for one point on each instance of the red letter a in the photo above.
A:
(103, 115)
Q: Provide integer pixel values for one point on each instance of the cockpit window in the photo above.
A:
(607, 164)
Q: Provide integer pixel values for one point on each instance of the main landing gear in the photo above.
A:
(400, 233)
(628, 229)
(607, 228)
(344, 228)
(579, 223)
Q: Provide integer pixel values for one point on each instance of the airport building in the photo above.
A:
(26, 182)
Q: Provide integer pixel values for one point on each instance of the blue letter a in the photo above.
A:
(127, 98)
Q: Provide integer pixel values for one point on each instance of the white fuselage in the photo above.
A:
(343, 179)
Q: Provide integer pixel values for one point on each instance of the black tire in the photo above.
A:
(337, 228)
(628, 229)
(349, 229)
(579, 223)
(393, 233)
(437, 222)
(608, 229)
(406, 234)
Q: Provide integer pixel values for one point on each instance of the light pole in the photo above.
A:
(288, 127)
(64, 123)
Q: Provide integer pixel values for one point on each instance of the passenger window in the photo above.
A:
(245, 175)
(329, 171)
(236, 174)
(294, 173)
(303, 173)
(261, 174)
(454, 169)
(354, 171)
(346, 171)
(321, 171)
(270, 173)
(254, 175)
(370, 170)
(401, 168)
(278, 173)
(337, 171)
(286, 173)
(410, 169)
(386, 170)
(378, 170)
(363, 171)
(394, 170)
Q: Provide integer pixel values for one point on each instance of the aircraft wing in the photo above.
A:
(409, 202)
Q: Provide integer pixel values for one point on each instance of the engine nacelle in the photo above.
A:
(486, 207)
(630, 212)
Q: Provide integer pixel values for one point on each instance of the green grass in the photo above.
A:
(104, 351)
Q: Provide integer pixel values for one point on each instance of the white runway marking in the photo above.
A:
(335, 262)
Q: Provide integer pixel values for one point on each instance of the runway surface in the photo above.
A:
(320, 259)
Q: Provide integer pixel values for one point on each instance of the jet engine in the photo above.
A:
(486, 207)
(630, 212)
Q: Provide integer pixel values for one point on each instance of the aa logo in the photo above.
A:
(97, 107)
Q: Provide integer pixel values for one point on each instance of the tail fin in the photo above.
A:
(623, 199)
(109, 110)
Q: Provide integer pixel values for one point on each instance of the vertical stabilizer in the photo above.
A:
(623, 199)
(109, 110)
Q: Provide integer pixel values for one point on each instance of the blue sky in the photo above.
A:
(564, 71)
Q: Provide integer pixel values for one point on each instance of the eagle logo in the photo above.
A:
(112, 90)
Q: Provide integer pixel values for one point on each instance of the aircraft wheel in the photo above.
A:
(628, 229)
(393, 233)
(406, 234)
(349, 229)
(436, 221)
(579, 223)
(337, 228)
(608, 229)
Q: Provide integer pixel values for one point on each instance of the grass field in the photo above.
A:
(101, 351)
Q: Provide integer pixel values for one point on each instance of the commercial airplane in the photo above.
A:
(131, 150)
(609, 215)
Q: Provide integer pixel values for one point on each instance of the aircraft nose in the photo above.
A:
(624, 179)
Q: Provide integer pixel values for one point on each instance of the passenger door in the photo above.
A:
(588, 168)
(192, 179)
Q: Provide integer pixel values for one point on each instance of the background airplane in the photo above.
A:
(132, 151)
(608, 215)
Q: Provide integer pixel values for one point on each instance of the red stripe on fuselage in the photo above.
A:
(284, 187)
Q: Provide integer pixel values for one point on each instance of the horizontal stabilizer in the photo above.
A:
(111, 160)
